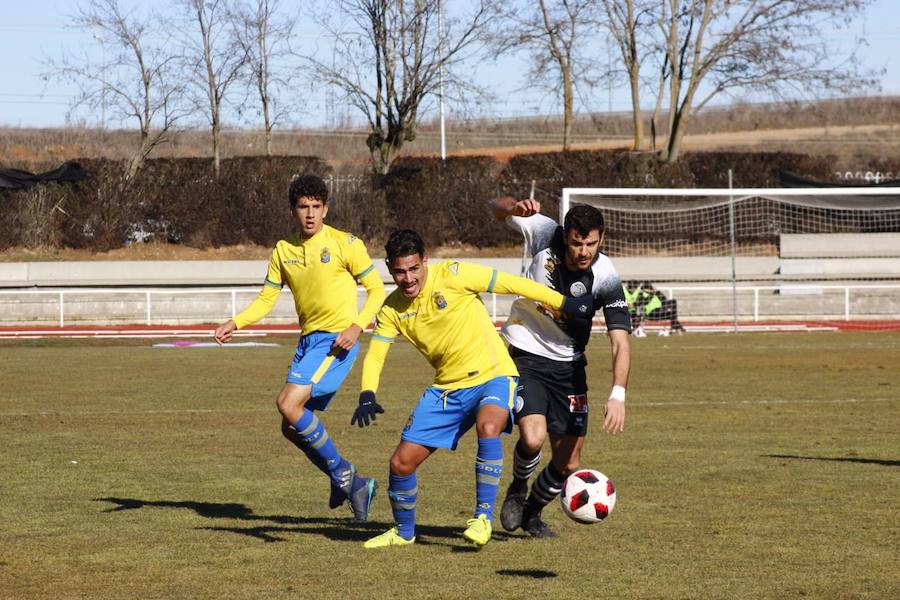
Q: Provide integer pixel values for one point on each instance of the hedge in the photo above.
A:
(180, 201)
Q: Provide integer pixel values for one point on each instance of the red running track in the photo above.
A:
(199, 331)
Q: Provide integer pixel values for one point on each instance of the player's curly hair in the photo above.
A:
(404, 242)
(583, 218)
(307, 186)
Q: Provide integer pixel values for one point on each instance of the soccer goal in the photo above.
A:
(784, 254)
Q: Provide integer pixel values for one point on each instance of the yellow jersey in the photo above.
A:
(322, 272)
(448, 323)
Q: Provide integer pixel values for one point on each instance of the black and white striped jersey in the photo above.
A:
(535, 329)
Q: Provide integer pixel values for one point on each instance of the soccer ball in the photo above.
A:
(588, 496)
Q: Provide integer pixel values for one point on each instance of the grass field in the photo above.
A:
(752, 466)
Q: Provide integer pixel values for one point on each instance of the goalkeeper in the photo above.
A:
(438, 308)
(322, 266)
(549, 352)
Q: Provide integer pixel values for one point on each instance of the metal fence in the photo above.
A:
(191, 306)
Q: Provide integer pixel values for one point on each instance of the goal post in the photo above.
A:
(834, 251)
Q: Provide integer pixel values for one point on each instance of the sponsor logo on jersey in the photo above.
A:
(408, 315)
(291, 261)
(550, 265)
(617, 304)
(439, 300)
(351, 238)
(325, 257)
(577, 289)
(454, 268)
(578, 403)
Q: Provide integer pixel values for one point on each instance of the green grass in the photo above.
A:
(752, 466)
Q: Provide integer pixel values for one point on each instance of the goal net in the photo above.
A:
(804, 257)
(713, 222)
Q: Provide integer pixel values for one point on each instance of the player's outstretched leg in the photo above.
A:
(546, 487)
(345, 482)
(524, 464)
(488, 470)
(403, 491)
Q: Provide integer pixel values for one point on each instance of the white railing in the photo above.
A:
(141, 309)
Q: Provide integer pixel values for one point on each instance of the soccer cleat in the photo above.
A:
(478, 530)
(391, 537)
(361, 498)
(340, 493)
(535, 526)
(512, 510)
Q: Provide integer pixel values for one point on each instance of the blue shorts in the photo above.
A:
(314, 365)
(442, 416)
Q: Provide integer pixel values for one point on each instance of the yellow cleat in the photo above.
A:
(391, 537)
(478, 530)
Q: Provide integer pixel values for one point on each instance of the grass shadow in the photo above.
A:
(530, 573)
(333, 528)
(865, 461)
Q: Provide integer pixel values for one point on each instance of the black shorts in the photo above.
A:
(555, 389)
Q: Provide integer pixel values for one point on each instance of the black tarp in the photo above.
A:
(16, 179)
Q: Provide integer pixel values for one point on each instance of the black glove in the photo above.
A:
(582, 306)
(367, 409)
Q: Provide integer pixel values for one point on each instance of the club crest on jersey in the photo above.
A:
(439, 300)
(325, 257)
(577, 289)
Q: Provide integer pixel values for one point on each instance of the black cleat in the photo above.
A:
(537, 528)
(512, 510)
(340, 493)
(361, 498)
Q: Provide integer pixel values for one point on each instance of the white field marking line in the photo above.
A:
(161, 411)
(185, 411)
(838, 345)
(760, 402)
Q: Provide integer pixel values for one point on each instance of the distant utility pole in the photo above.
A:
(610, 83)
(441, 84)
(99, 40)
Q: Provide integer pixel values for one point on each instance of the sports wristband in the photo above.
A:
(617, 393)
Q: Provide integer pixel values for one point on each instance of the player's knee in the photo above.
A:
(533, 441)
(401, 467)
(290, 403)
(489, 429)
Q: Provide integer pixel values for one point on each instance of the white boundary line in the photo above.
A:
(635, 404)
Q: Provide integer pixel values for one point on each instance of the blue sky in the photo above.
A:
(31, 31)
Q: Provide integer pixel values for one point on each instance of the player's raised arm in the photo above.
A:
(504, 283)
(507, 206)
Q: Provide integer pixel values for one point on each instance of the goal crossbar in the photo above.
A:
(877, 198)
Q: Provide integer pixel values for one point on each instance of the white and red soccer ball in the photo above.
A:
(588, 496)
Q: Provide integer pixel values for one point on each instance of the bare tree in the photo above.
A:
(264, 39)
(628, 21)
(551, 31)
(212, 59)
(774, 46)
(134, 81)
(388, 59)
